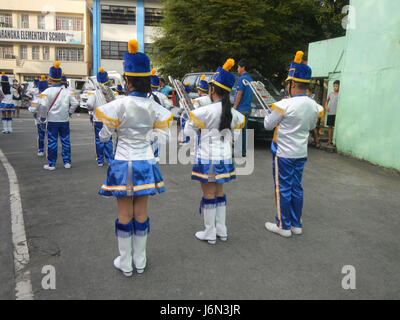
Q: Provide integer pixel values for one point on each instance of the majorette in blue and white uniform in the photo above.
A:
(213, 159)
(103, 149)
(292, 119)
(39, 111)
(7, 104)
(60, 104)
(134, 174)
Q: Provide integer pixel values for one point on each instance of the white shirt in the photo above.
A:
(201, 101)
(135, 120)
(293, 119)
(93, 103)
(163, 99)
(62, 107)
(213, 144)
(8, 98)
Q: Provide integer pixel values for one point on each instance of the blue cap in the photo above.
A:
(55, 72)
(102, 76)
(136, 64)
(119, 87)
(36, 82)
(203, 85)
(63, 78)
(187, 87)
(155, 80)
(43, 85)
(4, 78)
(223, 78)
(299, 71)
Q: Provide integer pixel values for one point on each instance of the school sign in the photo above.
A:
(42, 36)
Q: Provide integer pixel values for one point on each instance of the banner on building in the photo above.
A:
(42, 36)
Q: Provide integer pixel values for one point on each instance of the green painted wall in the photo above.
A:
(326, 56)
(368, 116)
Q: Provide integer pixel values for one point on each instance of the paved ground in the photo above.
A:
(351, 217)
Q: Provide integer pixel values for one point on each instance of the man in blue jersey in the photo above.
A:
(243, 98)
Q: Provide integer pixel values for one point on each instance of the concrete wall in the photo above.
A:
(368, 116)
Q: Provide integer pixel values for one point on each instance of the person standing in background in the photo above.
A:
(330, 107)
(164, 88)
(243, 98)
(17, 96)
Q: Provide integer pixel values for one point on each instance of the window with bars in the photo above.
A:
(6, 20)
(113, 49)
(41, 22)
(69, 24)
(23, 52)
(35, 53)
(152, 16)
(7, 52)
(46, 53)
(118, 15)
(69, 54)
(24, 21)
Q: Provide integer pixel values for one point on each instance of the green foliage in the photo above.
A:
(199, 35)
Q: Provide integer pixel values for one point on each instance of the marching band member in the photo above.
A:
(292, 119)
(157, 96)
(202, 91)
(134, 175)
(103, 149)
(59, 104)
(184, 116)
(120, 92)
(39, 112)
(7, 106)
(213, 164)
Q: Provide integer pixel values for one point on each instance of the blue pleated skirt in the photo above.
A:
(218, 171)
(7, 107)
(132, 178)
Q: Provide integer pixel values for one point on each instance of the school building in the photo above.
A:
(33, 34)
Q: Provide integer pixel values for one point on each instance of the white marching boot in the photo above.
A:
(4, 122)
(210, 233)
(220, 219)
(139, 252)
(124, 261)
(272, 227)
(9, 129)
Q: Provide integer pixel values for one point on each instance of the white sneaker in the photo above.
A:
(40, 154)
(100, 164)
(297, 231)
(47, 167)
(67, 166)
(272, 227)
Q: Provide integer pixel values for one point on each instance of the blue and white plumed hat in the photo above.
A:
(223, 78)
(136, 64)
(155, 80)
(299, 71)
(119, 87)
(4, 78)
(187, 87)
(55, 72)
(102, 76)
(203, 85)
(43, 84)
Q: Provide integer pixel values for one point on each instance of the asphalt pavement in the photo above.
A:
(351, 217)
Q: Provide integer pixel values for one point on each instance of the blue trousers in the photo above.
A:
(288, 191)
(103, 149)
(41, 130)
(55, 129)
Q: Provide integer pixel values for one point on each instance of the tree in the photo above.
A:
(199, 35)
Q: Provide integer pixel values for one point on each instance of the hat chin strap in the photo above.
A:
(290, 88)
